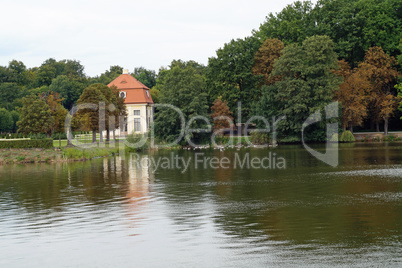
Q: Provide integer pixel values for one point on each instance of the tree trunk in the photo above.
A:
(350, 127)
(386, 126)
(100, 136)
(114, 134)
(93, 136)
(107, 135)
(377, 126)
(69, 138)
(60, 140)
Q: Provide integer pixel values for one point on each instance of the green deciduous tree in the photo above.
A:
(292, 25)
(182, 86)
(35, 116)
(145, 76)
(308, 85)
(10, 92)
(6, 121)
(58, 113)
(69, 89)
(353, 25)
(89, 118)
(16, 117)
(229, 74)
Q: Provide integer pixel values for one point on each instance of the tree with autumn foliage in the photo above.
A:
(378, 68)
(352, 95)
(265, 58)
(221, 116)
(388, 105)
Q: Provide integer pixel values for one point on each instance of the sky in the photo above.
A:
(131, 34)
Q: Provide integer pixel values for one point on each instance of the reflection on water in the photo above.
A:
(114, 212)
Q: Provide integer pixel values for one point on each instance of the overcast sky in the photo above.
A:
(148, 33)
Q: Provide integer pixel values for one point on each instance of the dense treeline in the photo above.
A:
(297, 62)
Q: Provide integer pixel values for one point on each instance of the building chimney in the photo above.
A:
(125, 71)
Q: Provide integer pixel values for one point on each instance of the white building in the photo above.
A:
(138, 101)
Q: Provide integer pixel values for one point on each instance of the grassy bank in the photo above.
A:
(13, 156)
(20, 156)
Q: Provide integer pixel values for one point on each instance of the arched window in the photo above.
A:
(123, 94)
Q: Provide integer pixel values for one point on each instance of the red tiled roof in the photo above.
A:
(136, 92)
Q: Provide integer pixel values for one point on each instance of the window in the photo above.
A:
(137, 124)
(148, 94)
(137, 112)
(123, 94)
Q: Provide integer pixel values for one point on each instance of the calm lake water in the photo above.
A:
(121, 212)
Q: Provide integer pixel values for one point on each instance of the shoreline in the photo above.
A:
(74, 154)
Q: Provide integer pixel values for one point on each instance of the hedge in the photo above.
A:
(22, 144)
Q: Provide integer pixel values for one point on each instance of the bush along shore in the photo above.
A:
(40, 155)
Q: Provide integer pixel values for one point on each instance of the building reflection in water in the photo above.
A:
(139, 179)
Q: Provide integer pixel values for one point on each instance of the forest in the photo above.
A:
(295, 63)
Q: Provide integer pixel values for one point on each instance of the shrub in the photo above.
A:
(135, 138)
(22, 144)
(347, 136)
(258, 137)
(334, 138)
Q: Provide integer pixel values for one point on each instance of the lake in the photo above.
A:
(150, 210)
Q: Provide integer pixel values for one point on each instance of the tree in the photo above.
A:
(353, 96)
(147, 77)
(45, 75)
(69, 89)
(155, 95)
(6, 121)
(183, 87)
(229, 74)
(9, 92)
(120, 109)
(19, 68)
(89, 118)
(108, 76)
(35, 116)
(221, 115)
(378, 68)
(292, 25)
(308, 85)
(16, 117)
(7, 75)
(58, 113)
(353, 25)
(265, 58)
(389, 104)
